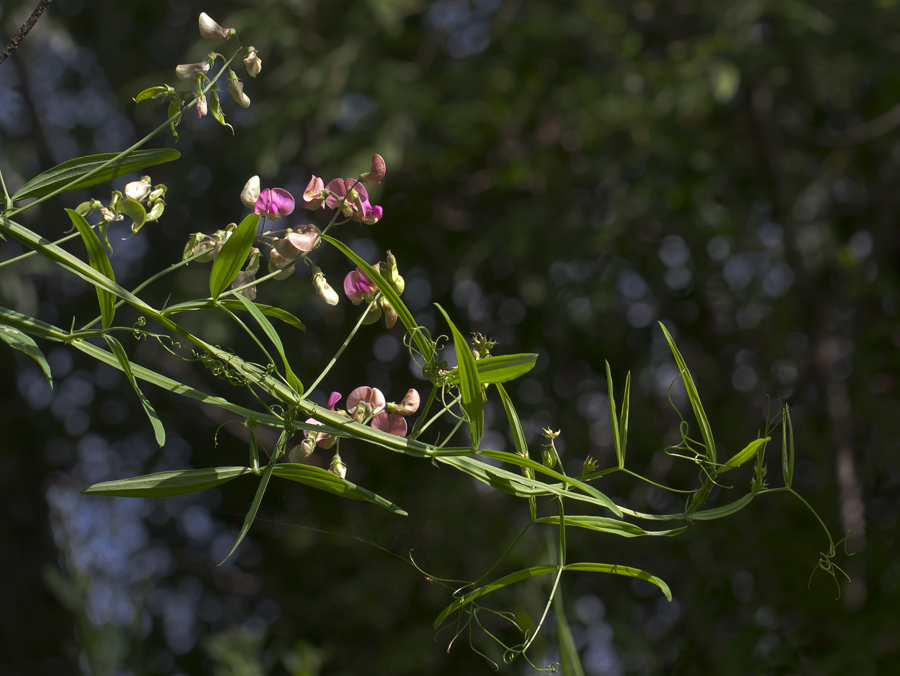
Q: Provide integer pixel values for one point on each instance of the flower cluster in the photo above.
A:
(142, 202)
(349, 195)
(358, 288)
(365, 405)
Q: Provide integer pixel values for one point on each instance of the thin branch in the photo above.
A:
(13, 44)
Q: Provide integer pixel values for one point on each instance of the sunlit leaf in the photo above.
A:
(499, 369)
(322, 479)
(469, 385)
(606, 525)
(99, 260)
(158, 430)
(251, 514)
(21, 341)
(744, 455)
(60, 175)
(167, 484)
(233, 255)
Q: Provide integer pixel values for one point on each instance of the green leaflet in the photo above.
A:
(135, 211)
(234, 304)
(787, 447)
(158, 430)
(272, 334)
(743, 456)
(254, 508)
(233, 255)
(99, 260)
(151, 93)
(605, 525)
(74, 170)
(469, 385)
(518, 435)
(500, 369)
(426, 347)
(22, 342)
(166, 484)
(534, 571)
(322, 479)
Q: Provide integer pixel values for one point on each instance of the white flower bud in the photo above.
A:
(337, 467)
(323, 288)
(303, 451)
(252, 62)
(279, 262)
(138, 190)
(210, 30)
(236, 89)
(188, 72)
(250, 193)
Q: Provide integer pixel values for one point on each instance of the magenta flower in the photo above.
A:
(333, 399)
(274, 203)
(313, 196)
(369, 214)
(392, 423)
(358, 286)
(365, 401)
(338, 190)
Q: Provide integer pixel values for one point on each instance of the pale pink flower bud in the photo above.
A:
(252, 62)
(210, 30)
(391, 423)
(408, 406)
(236, 89)
(376, 175)
(313, 196)
(390, 314)
(202, 106)
(303, 451)
(323, 288)
(304, 239)
(250, 193)
(188, 72)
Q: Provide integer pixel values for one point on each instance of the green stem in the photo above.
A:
(440, 413)
(653, 483)
(8, 201)
(337, 355)
(128, 151)
(416, 431)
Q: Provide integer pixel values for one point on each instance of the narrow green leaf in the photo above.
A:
(469, 385)
(32, 326)
(23, 342)
(614, 418)
(99, 260)
(499, 369)
(233, 255)
(694, 397)
(744, 455)
(323, 480)
(158, 430)
(62, 174)
(166, 484)
(234, 304)
(535, 571)
(568, 651)
(135, 211)
(623, 417)
(721, 512)
(789, 469)
(273, 336)
(425, 345)
(515, 425)
(606, 525)
(254, 508)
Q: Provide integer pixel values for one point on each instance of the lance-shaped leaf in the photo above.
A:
(77, 170)
(158, 430)
(233, 255)
(469, 384)
(518, 435)
(166, 484)
(614, 419)
(694, 396)
(606, 525)
(254, 508)
(426, 347)
(787, 447)
(744, 455)
(323, 480)
(499, 369)
(23, 342)
(273, 336)
(99, 260)
(234, 304)
(535, 571)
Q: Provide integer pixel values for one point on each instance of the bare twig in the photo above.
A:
(13, 44)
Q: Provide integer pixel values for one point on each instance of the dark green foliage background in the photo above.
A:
(549, 169)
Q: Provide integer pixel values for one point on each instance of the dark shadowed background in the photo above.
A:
(561, 176)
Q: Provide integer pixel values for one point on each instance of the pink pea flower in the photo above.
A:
(365, 401)
(322, 439)
(358, 286)
(408, 406)
(313, 196)
(333, 399)
(274, 203)
(304, 238)
(370, 214)
(392, 423)
(376, 175)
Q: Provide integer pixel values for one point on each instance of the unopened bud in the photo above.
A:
(252, 62)
(549, 456)
(589, 467)
(157, 192)
(189, 72)
(303, 450)
(390, 314)
(279, 262)
(408, 406)
(138, 190)
(376, 175)
(202, 106)
(399, 285)
(253, 262)
(210, 30)
(250, 193)
(323, 288)
(236, 89)
(337, 467)
(393, 273)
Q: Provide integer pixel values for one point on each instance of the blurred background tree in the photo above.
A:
(563, 175)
